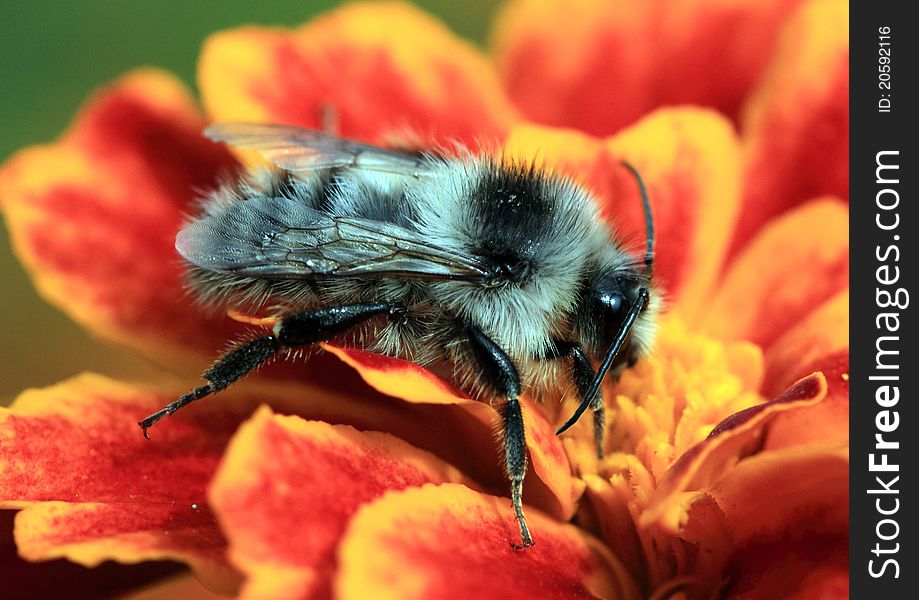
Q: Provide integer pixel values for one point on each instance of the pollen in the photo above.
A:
(670, 401)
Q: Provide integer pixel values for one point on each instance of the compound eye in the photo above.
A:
(613, 308)
(614, 303)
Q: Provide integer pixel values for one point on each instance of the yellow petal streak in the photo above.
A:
(672, 400)
(657, 411)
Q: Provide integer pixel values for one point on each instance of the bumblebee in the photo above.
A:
(492, 273)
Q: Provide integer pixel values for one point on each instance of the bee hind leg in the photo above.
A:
(583, 374)
(227, 369)
(499, 373)
(296, 329)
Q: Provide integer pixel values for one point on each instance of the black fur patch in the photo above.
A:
(512, 212)
(378, 205)
(282, 185)
(329, 181)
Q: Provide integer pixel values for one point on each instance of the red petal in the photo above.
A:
(788, 493)
(63, 579)
(554, 491)
(451, 542)
(384, 69)
(769, 506)
(90, 533)
(94, 219)
(287, 488)
(827, 423)
(93, 489)
(94, 216)
(599, 66)
(796, 125)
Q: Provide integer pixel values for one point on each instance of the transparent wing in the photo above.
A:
(277, 238)
(297, 149)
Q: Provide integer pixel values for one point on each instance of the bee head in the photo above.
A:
(608, 302)
(604, 308)
(613, 321)
(611, 293)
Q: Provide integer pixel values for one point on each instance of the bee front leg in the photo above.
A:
(296, 329)
(583, 374)
(499, 373)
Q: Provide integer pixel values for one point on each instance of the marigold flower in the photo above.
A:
(726, 456)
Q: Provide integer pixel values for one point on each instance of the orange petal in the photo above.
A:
(383, 69)
(824, 332)
(819, 343)
(451, 542)
(808, 569)
(93, 217)
(93, 489)
(287, 488)
(792, 492)
(90, 533)
(688, 159)
(786, 509)
(781, 275)
(796, 125)
(599, 66)
(399, 378)
(608, 511)
(63, 579)
(553, 489)
(775, 503)
(185, 587)
(728, 442)
(825, 424)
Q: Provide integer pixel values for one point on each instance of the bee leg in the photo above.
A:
(583, 374)
(499, 373)
(296, 329)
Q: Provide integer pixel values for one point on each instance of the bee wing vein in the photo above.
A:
(275, 238)
(298, 150)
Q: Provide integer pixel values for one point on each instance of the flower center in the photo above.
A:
(672, 400)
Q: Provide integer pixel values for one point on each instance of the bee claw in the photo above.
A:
(527, 543)
(397, 310)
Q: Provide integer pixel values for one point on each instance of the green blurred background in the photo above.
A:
(53, 54)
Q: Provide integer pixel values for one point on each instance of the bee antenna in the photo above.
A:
(608, 359)
(649, 218)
